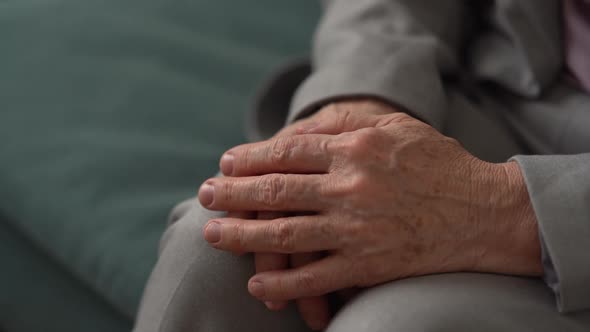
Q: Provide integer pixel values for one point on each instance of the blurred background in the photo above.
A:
(110, 113)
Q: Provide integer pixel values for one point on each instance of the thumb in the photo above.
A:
(340, 117)
(338, 123)
(346, 116)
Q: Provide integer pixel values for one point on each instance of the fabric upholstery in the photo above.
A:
(111, 111)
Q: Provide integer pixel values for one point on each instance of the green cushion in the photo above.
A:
(111, 111)
(38, 295)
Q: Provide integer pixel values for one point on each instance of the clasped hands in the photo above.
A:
(358, 195)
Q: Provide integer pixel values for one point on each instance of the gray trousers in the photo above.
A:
(196, 288)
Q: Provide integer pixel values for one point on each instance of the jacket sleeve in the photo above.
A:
(394, 50)
(559, 188)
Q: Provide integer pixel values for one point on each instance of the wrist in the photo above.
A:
(523, 223)
(509, 241)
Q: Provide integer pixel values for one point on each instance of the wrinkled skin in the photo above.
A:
(384, 195)
(315, 311)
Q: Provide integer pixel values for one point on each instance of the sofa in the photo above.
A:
(111, 112)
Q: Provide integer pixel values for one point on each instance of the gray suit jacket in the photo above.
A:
(411, 53)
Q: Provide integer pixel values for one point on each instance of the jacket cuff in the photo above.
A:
(559, 188)
(422, 97)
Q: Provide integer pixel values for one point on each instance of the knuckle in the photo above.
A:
(367, 137)
(307, 280)
(394, 118)
(273, 190)
(326, 146)
(358, 144)
(340, 113)
(359, 183)
(228, 191)
(284, 236)
(345, 115)
(238, 236)
(243, 159)
(280, 149)
(331, 110)
(357, 190)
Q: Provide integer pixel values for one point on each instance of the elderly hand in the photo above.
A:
(315, 311)
(392, 200)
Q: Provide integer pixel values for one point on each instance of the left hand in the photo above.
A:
(394, 200)
(314, 311)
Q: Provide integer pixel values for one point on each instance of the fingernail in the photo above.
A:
(256, 288)
(227, 164)
(206, 194)
(271, 305)
(213, 232)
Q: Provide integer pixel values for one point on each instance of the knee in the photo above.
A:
(195, 287)
(189, 268)
(441, 303)
(185, 225)
(402, 306)
(182, 209)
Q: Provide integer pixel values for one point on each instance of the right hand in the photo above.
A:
(333, 119)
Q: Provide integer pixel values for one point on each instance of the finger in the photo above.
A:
(283, 235)
(315, 279)
(241, 215)
(270, 262)
(315, 311)
(286, 154)
(341, 117)
(298, 126)
(272, 192)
